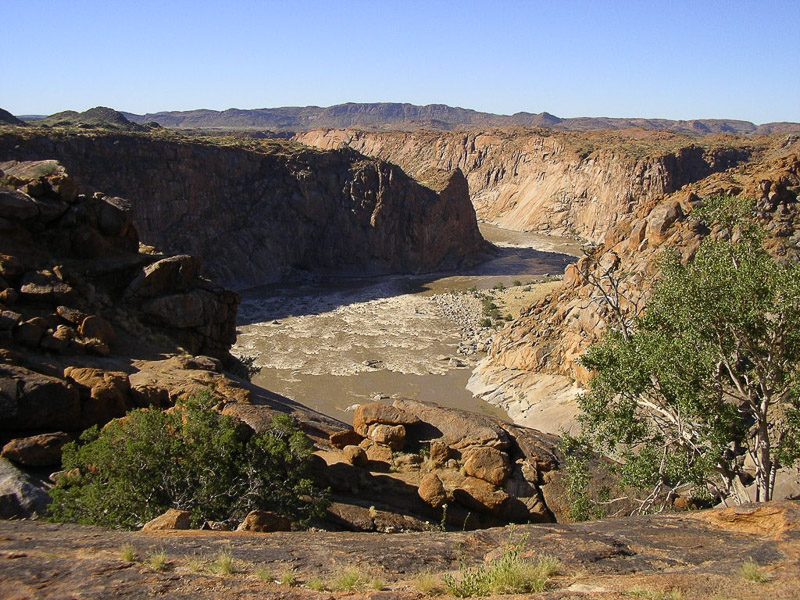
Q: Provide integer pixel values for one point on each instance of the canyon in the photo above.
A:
(624, 194)
(104, 309)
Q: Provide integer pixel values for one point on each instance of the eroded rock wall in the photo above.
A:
(256, 215)
(553, 333)
(571, 184)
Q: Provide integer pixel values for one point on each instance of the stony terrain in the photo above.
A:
(268, 210)
(93, 323)
(698, 556)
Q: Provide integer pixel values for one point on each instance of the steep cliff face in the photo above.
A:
(552, 334)
(569, 184)
(253, 215)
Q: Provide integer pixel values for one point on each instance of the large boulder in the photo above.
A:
(43, 450)
(172, 519)
(489, 464)
(264, 521)
(355, 455)
(21, 496)
(455, 428)
(30, 400)
(17, 206)
(168, 275)
(482, 496)
(431, 490)
(439, 453)
(106, 394)
(340, 439)
(98, 328)
(661, 219)
(393, 436)
(375, 412)
(380, 453)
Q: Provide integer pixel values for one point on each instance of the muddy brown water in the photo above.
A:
(338, 342)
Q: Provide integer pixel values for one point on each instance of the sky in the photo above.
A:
(627, 58)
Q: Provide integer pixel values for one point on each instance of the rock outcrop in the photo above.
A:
(256, 214)
(577, 185)
(65, 258)
(485, 471)
(78, 309)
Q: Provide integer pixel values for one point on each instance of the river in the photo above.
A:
(337, 342)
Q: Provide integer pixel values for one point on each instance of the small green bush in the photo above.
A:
(750, 571)
(128, 553)
(224, 564)
(348, 581)
(158, 561)
(507, 574)
(191, 458)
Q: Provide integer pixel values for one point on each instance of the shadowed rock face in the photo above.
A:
(257, 216)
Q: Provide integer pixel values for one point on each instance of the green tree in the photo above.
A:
(190, 458)
(709, 375)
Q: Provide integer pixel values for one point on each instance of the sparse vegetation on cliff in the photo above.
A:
(707, 380)
(190, 458)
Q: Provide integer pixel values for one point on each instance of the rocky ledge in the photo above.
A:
(747, 553)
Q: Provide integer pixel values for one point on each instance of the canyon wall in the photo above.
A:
(570, 184)
(257, 215)
(549, 337)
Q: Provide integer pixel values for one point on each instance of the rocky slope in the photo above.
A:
(577, 185)
(254, 215)
(92, 327)
(550, 335)
(700, 555)
(403, 116)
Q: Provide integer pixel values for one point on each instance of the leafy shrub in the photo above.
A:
(190, 458)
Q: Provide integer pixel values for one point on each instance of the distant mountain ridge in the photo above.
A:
(382, 116)
(389, 115)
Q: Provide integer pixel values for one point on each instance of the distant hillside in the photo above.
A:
(397, 116)
(100, 116)
(8, 119)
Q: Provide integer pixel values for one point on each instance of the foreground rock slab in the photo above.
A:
(698, 554)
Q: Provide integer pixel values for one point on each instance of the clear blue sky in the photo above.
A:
(678, 59)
